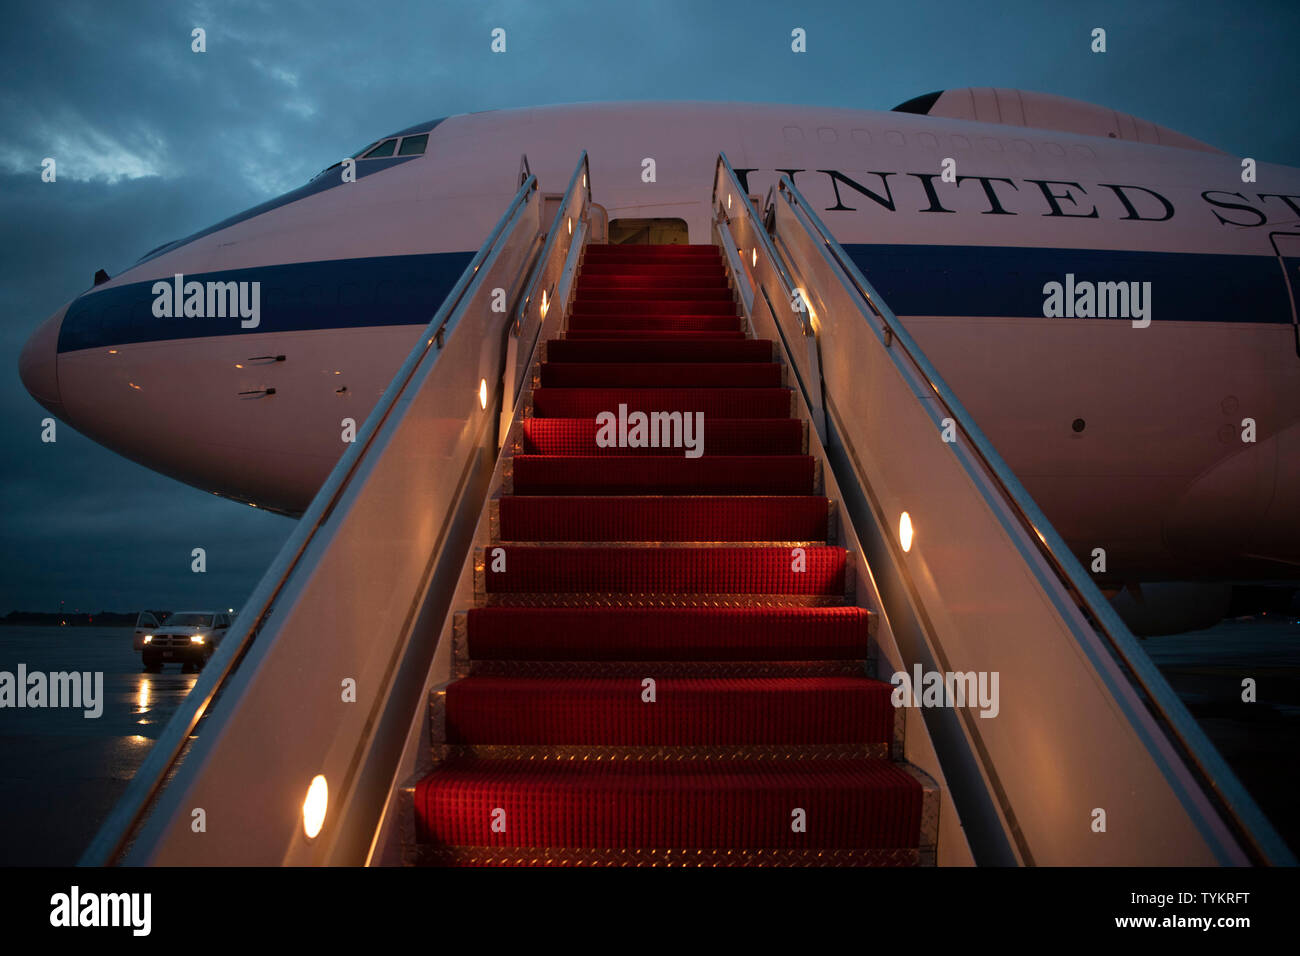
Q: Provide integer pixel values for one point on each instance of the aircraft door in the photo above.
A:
(1287, 247)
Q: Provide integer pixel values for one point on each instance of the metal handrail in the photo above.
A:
(122, 822)
(724, 166)
(584, 168)
(1215, 775)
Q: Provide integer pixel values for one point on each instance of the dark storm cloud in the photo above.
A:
(154, 142)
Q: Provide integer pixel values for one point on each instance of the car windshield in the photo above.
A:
(190, 620)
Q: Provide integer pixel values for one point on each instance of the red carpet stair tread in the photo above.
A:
(668, 570)
(557, 437)
(745, 805)
(658, 350)
(661, 375)
(659, 334)
(713, 402)
(644, 474)
(690, 711)
(665, 518)
(713, 578)
(667, 634)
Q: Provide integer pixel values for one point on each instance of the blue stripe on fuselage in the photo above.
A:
(1009, 280)
(913, 280)
(330, 294)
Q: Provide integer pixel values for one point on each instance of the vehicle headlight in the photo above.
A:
(148, 638)
(196, 639)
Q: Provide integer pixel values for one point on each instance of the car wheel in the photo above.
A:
(152, 666)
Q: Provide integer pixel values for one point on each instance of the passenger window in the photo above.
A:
(413, 145)
(383, 149)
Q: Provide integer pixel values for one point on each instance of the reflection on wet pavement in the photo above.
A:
(62, 771)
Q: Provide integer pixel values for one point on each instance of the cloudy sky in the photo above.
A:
(154, 142)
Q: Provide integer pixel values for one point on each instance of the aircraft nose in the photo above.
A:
(38, 363)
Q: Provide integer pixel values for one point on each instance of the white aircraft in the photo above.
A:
(1113, 301)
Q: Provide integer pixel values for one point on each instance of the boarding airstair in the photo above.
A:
(666, 662)
(623, 569)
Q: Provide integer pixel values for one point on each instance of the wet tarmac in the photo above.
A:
(1259, 740)
(61, 772)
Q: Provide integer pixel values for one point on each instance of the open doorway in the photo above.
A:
(659, 232)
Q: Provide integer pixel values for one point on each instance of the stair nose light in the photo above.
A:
(482, 393)
(313, 808)
(570, 225)
(905, 531)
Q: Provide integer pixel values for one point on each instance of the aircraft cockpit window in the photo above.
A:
(414, 145)
(383, 149)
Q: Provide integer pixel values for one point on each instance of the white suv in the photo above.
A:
(186, 637)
